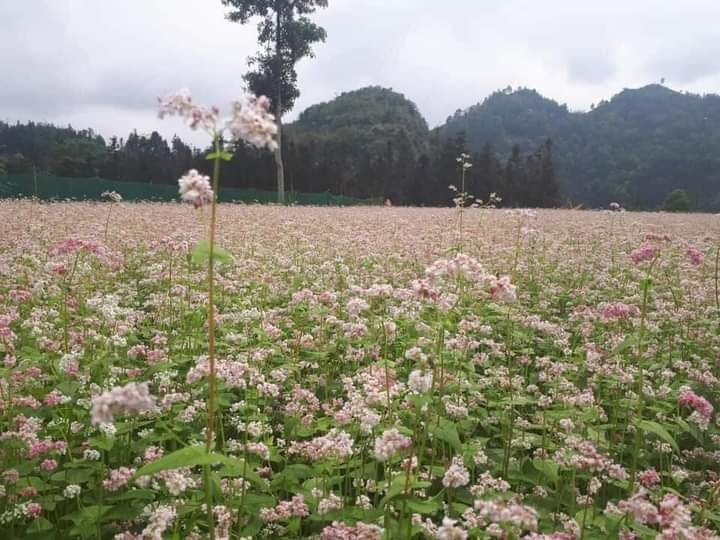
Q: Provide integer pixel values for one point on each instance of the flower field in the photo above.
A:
(380, 373)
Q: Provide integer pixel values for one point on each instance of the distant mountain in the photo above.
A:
(635, 148)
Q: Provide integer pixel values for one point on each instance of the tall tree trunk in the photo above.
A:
(278, 155)
(278, 107)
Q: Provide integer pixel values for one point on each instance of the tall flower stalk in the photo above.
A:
(462, 197)
(113, 197)
(644, 253)
(717, 278)
(251, 123)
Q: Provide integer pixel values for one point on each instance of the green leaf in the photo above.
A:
(74, 476)
(628, 343)
(423, 506)
(657, 429)
(102, 442)
(200, 254)
(222, 154)
(447, 432)
(398, 486)
(548, 468)
(185, 457)
(40, 524)
(134, 494)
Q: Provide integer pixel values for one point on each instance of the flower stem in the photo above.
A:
(211, 337)
(641, 377)
(717, 278)
(107, 222)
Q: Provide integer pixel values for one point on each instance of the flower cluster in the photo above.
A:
(133, 398)
(195, 188)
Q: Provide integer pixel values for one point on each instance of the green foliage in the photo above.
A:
(633, 149)
(370, 143)
(200, 254)
(286, 36)
(677, 201)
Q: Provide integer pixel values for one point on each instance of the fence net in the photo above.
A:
(50, 187)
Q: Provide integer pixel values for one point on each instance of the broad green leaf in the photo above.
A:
(447, 432)
(102, 442)
(548, 468)
(189, 456)
(200, 254)
(421, 506)
(657, 429)
(40, 524)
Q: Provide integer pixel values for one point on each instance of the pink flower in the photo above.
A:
(646, 252)
(617, 311)
(688, 398)
(341, 531)
(53, 398)
(181, 104)
(335, 444)
(49, 465)
(118, 478)
(695, 256)
(285, 510)
(33, 510)
(649, 478)
(74, 245)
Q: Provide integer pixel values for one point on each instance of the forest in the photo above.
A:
(636, 149)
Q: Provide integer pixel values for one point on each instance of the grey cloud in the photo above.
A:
(686, 62)
(102, 64)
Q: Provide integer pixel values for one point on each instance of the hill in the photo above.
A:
(635, 148)
(367, 142)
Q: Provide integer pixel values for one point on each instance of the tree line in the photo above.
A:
(394, 168)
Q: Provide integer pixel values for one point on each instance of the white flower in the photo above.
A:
(160, 519)
(419, 381)
(72, 491)
(389, 443)
(253, 123)
(129, 399)
(195, 188)
(91, 455)
(112, 196)
(197, 116)
(456, 475)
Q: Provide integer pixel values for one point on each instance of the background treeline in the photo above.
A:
(635, 149)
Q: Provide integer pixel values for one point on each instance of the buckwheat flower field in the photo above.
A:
(380, 373)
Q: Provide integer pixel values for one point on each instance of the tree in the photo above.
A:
(550, 190)
(677, 201)
(286, 35)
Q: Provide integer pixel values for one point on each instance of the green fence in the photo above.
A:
(50, 187)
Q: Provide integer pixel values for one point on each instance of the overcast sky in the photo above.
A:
(102, 63)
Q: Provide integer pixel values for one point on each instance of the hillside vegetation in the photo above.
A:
(636, 149)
